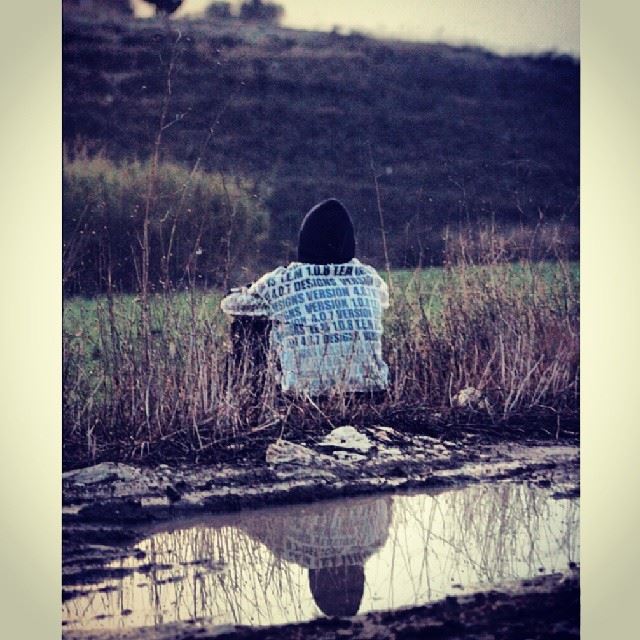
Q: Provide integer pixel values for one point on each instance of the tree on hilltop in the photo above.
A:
(100, 7)
(261, 11)
(219, 9)
(165, 6)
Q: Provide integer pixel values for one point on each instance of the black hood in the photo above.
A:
(326, 235)
(337, 590)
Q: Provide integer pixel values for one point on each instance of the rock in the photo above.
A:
(347, 437)
(348, 456)
(285, 452)
(102, 472)
(469, 398)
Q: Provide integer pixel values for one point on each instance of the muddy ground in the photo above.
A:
(109, 507)
(547, 607)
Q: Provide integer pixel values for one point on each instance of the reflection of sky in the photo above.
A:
(503, 25)
(415, 548)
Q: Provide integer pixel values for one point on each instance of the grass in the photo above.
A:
(509, 330)
(191, 212)
(455, 133)
(150, 377)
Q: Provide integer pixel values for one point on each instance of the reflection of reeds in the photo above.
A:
(478, 536)
(221, 574)
(481, 535)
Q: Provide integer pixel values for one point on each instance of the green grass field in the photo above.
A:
(510, 331)
(471, 168)
(82, 316)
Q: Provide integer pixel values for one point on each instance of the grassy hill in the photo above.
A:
(455, 134)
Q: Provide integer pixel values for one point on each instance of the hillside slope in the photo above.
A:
(455, 134)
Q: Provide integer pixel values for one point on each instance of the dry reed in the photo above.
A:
(508, 330)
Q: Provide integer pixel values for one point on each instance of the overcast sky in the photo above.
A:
(507, 26)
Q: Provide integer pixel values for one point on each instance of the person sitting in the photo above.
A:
(332, 540)
(323, 312)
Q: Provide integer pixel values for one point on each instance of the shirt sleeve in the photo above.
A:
(244, 303)
(250, 301)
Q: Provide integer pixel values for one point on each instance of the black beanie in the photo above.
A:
(326, 235)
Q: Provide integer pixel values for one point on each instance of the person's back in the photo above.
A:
(326, 310)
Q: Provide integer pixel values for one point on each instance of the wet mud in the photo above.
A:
(545, 608)
(122, 493)
(110, 508)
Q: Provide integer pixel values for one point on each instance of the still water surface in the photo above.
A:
(342, 557)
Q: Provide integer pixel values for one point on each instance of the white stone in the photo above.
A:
(101, 472)
(469, 398)
(348, 456)
(285, 452)
(347, 437)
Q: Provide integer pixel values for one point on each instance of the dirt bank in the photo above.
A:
(109, 508)
(547, 607)
(378, 459)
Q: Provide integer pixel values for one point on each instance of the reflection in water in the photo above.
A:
(338, 590)
(334, 558)
(333, 540)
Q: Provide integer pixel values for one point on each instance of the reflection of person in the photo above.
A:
(333, 540)
(338, 590)
(324, 310)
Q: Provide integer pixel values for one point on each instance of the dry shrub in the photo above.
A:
(509, 330)
(209, 224)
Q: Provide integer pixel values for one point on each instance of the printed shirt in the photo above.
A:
(327, 324)
(332, 536)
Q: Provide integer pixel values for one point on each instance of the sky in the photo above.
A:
(505, 26)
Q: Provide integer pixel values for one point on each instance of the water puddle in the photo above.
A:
(291, 564)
